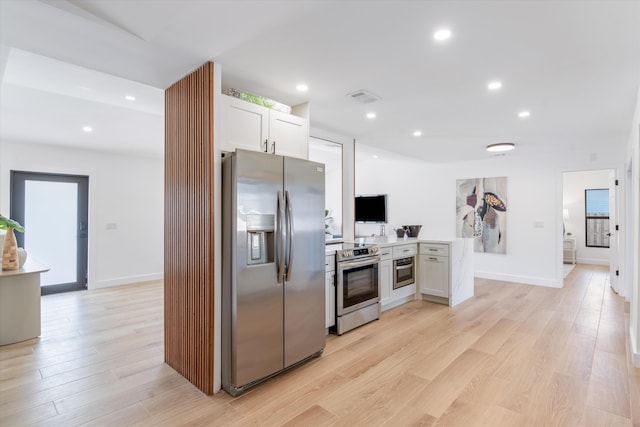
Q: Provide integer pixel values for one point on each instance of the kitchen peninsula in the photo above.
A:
(442, 268)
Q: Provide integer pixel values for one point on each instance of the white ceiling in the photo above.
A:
(574, 64)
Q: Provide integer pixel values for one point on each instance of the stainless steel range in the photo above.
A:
(357, 286)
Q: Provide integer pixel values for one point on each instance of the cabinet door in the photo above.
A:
(434, 275)
(330, 307)
(386, 279)
(288, 135)
(244, 125)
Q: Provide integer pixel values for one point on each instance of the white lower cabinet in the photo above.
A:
(386, 275)
(446, 271)
(330, 290)
(434, 275)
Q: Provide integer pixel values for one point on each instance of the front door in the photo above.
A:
(53, 209)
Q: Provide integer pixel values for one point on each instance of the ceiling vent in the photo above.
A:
(363, 96)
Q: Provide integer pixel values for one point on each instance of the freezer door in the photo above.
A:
(304, 293)
(257, 343)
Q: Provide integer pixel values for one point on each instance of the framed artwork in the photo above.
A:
(481, 213)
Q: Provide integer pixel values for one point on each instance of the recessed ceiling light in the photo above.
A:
(130, 97)
(302, 87)
(87, 128)
(442, 34)
(417, 133)
(375, 156)
(524, 114)
(494, 85)
(371, 115)
(502, 146)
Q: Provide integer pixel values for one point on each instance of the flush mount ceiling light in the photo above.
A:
(524, 114)
(302, 87)
(371, 116)
(417, 133)
(87, 128)
(442, 34)
(130, 97)
(502, 146)
(495, 85)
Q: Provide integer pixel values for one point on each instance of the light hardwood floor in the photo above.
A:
(514, 355)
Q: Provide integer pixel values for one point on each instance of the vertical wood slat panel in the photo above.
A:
(188, 229)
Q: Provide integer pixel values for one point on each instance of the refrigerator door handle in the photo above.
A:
(289, 216)
(280, 242)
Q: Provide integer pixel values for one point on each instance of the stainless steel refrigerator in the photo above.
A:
(273, 296)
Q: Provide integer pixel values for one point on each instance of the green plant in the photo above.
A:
(7, 222)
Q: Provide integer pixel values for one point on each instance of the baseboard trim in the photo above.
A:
(127, 280)
(389, 304)
(539, 281)
(592, 261)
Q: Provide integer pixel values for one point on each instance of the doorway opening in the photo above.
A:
(589, 200)
(54, 211)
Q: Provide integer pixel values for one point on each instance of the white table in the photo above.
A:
(20, 303)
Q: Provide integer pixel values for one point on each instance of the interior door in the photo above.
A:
(613, 233)
(54, 211)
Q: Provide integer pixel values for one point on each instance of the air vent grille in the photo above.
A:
(363, 96)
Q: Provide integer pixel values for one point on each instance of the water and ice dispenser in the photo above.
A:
(260, 247)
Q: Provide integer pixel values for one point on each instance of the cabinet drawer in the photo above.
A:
(440, 249)
(386, 253)
(329, 263)
(404, 251)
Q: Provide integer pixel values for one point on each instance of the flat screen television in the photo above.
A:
(371, 208)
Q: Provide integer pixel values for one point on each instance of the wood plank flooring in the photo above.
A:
(514, 355)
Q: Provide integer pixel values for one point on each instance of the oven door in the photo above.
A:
(357, 284)
(403, 272)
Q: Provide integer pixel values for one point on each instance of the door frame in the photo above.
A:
(17, 212)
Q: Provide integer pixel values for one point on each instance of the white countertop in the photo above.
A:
(386, 241)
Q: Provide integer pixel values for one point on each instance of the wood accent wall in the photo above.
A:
(189, 228)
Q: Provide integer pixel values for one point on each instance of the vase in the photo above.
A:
(10, 259)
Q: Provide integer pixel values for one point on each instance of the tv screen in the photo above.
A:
(371, 208)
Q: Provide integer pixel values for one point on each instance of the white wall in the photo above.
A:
(574, 184)
(123, 189)
(633, 285)
(424, 193)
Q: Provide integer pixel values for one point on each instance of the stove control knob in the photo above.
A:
(347, 254)
(375, 250)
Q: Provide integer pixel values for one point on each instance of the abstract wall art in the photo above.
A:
(481, 213)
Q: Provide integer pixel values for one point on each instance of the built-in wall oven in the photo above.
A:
(357, 286)
(404, 272)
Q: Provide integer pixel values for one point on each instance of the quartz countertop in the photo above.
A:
(387, 241)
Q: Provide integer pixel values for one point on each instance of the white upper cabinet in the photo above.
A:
(254, 127)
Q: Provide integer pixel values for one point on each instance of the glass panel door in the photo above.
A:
(53, 209)
(52, 236)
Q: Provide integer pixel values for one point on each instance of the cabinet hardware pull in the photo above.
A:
(266, 145)
(433, 259)
(434, 250)
(273, 147)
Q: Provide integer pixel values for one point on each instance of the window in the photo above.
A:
(596, 204)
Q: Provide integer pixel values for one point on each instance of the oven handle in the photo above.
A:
(342, 265)
(404, 267)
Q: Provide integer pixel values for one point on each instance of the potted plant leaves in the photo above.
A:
(10, 257)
